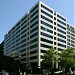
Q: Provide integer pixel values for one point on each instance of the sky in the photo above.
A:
(13, 10)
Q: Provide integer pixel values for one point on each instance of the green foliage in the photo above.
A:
(50, 58)
(67, 57)
(8, 64)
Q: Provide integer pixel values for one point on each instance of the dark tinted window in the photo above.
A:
(46, 46)
(61, 45)
(61, 22)
(34, 40)
(33, 8)
(61, 31)
(46, 13)
(34, 29)
(33, 46)
(61, 17)
(46, 8)
(47, 35)
(33, 35)
(33, 57)
(61, 26)
(44, 23)
(61, 40)
(33, 19)
(45, 40)
(62, 36)
(34, 13)
(47, 19)
(35, 23)
(33, 52)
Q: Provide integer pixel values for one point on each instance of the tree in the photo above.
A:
(50, 58)
(67, 58)
(1, 48)
(9, 64)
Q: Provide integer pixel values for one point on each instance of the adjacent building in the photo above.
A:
(38, 30)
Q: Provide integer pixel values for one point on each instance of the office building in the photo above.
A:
(38, 30)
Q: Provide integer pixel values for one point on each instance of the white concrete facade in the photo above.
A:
(37, 31)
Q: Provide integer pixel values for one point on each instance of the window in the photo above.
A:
(62, 36)
(54, 18)
(33, 35)
(17, 39)
(24, 45)
(27, 38)
(46, 14)
(46, 24)
(61, 26)
(28, 19)
(61, 17)
(54, 23)
(27, 48)
(17, 35)
(55, 28)
(33, 57)
(18, 24)
(46, 46)
(23, 50)
(33, 8)
(23, 27)
(54, 43)
(28, 23)
(34, 13)
(28, 33)
(54, 33)
(44, 34)
(24, 31)
(23, 36)
(23, 54)
(18, 31)
(24, 18)
(18, 44)
(61, 31)
(35, 23)
(33, 19)
(61, 45)
(33, 52)
(17, 27)
(48, 30)
(23, 22)
(33, 46)
(55, 48)
(43, 28)
(61, 40)
(54, 38)
(61, 22)
(43, 51)
(27, 43)
(34, 29)
(46, 8)
(34, 40)
(68, 32)
(45, 40)
(24, 59)
(43, 17)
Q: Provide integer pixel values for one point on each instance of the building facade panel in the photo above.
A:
(37, 31)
